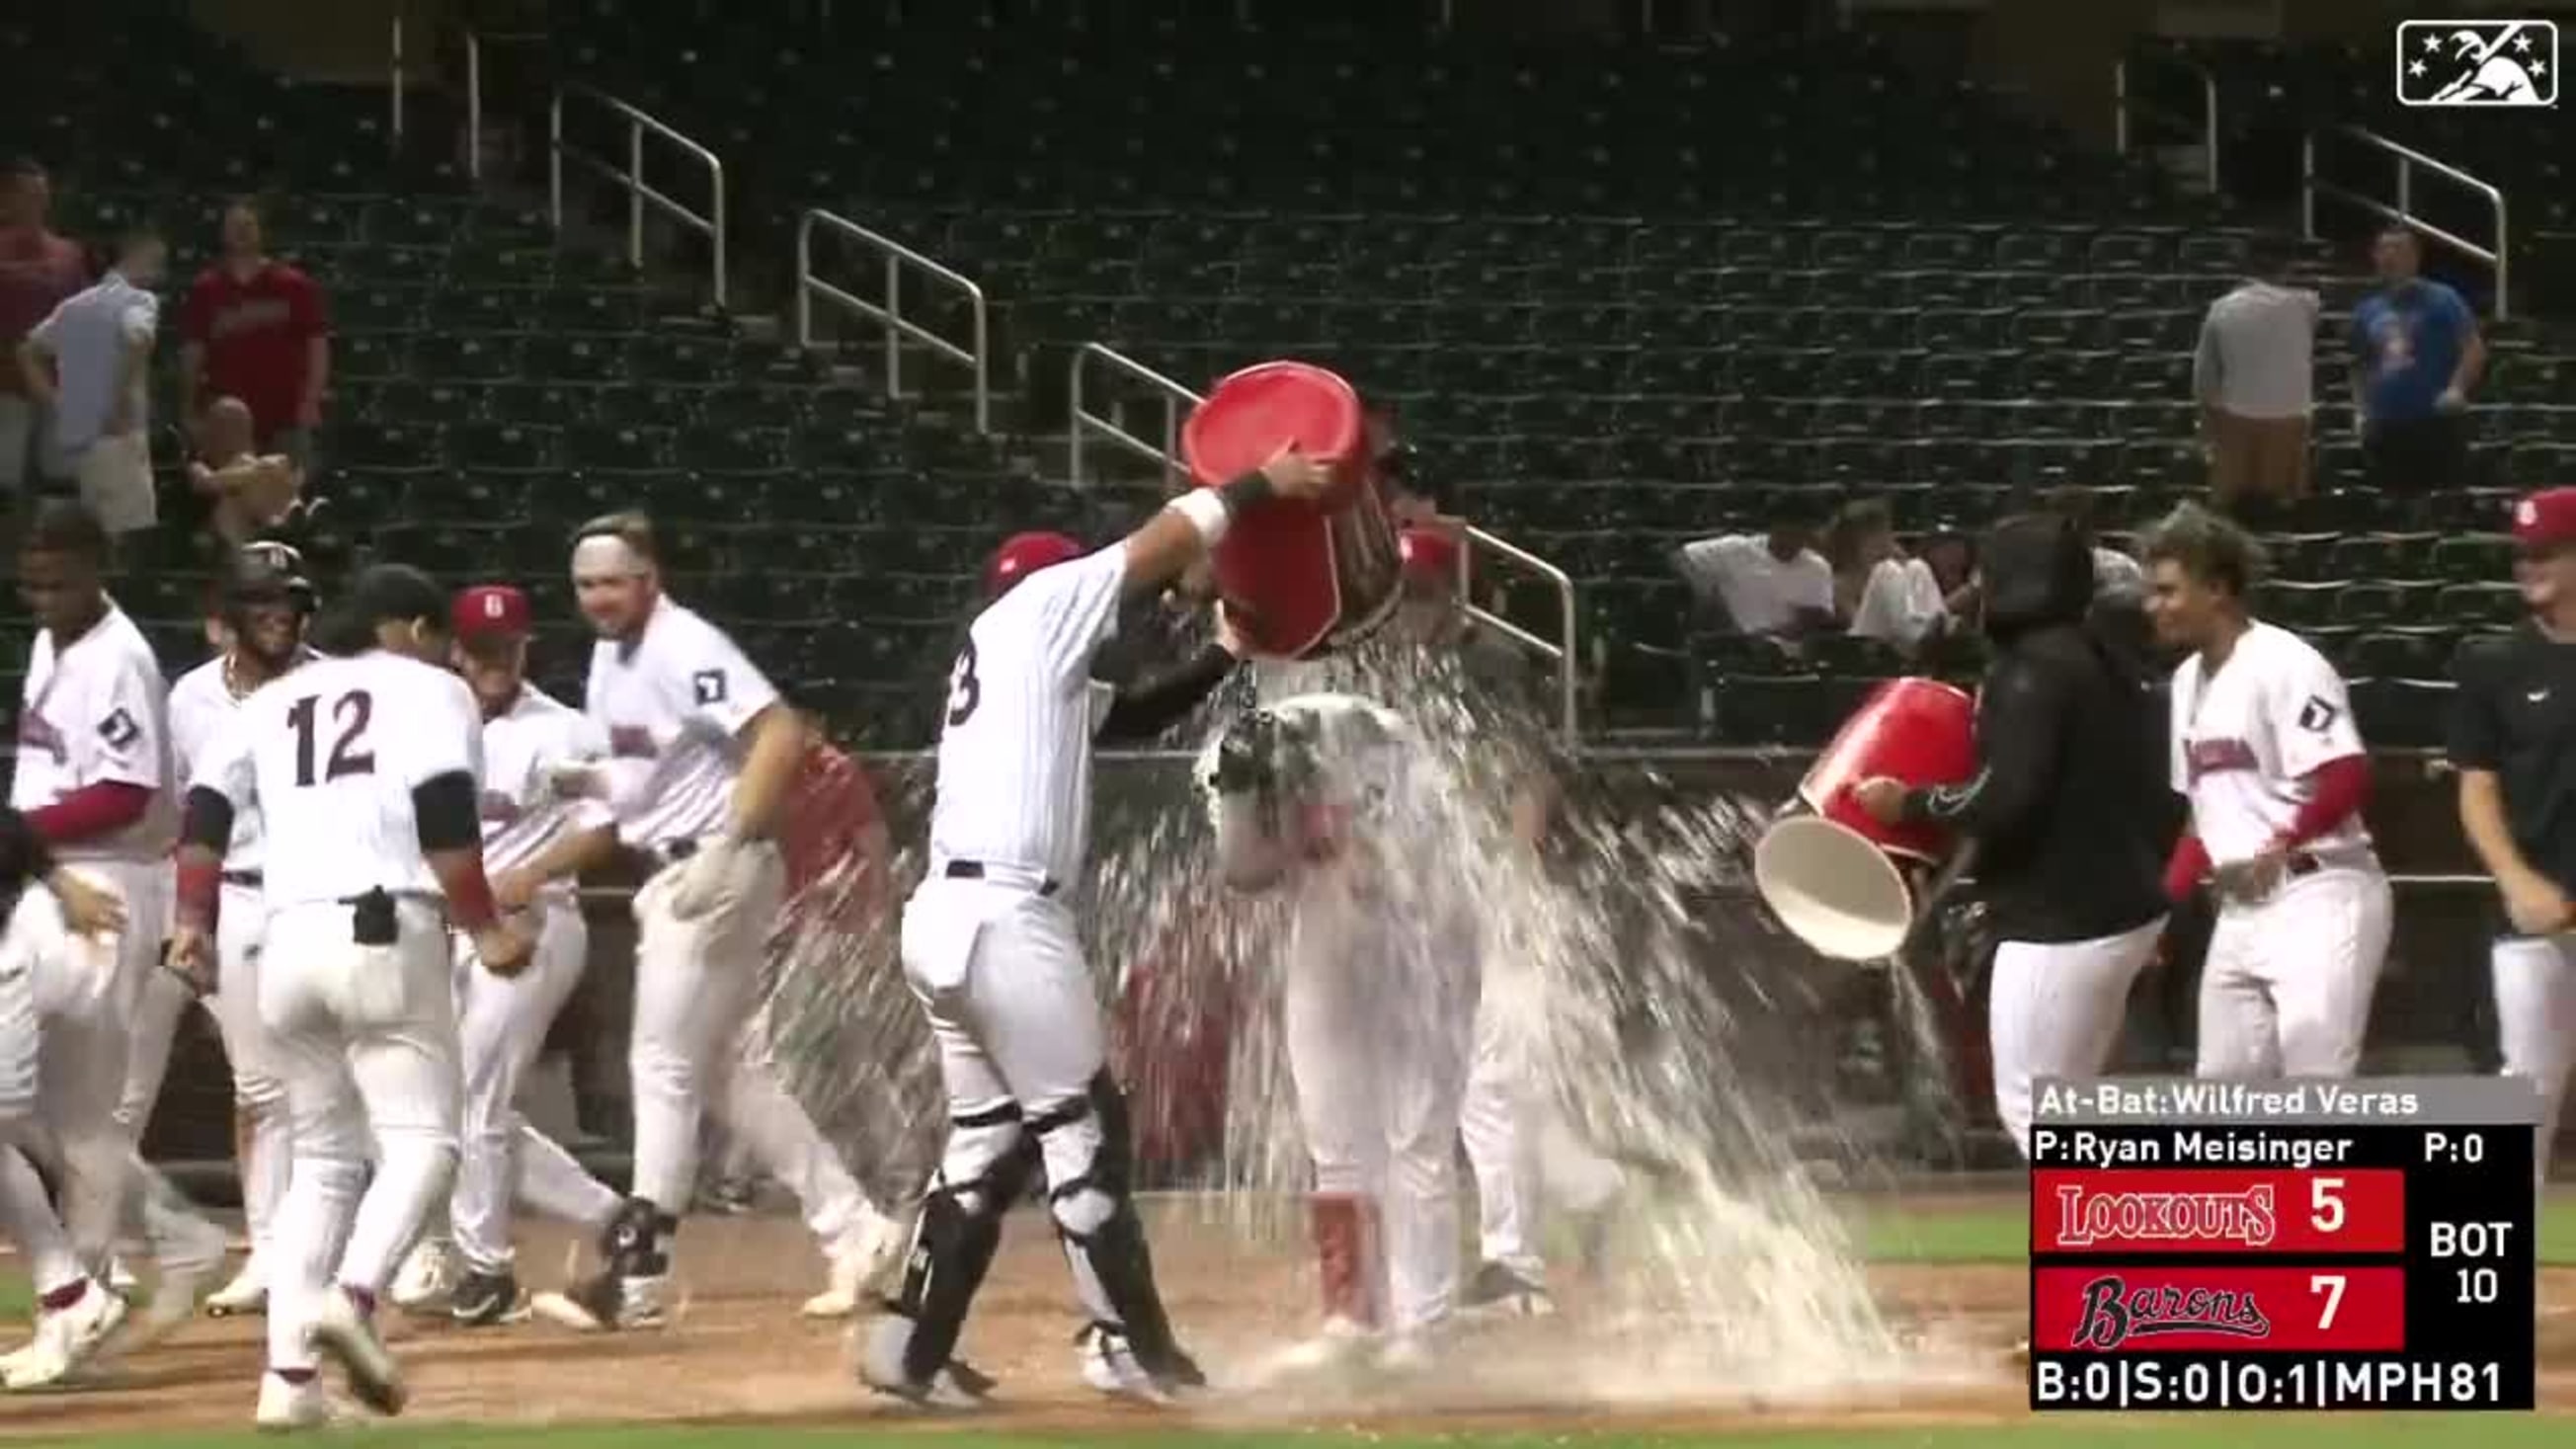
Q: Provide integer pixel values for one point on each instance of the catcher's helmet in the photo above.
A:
(1023, 554)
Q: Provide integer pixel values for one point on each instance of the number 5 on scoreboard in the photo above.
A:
(2325, 1204)
(2330, 1286)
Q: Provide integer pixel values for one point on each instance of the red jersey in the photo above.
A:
(37, 271)
(255, 331)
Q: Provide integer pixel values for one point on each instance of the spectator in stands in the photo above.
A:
(88, 364)
(2416, 355)
(2116, 576)
(247, 493)
(38, 271)
(2255, 379)
(255, 328)
(1770, 584)
(1880, 593)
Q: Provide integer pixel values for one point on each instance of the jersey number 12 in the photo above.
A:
(349, 756)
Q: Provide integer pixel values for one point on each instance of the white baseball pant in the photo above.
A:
(257, 1093)
(1378, 1019)
(697, 983)
(501, 1023)
(29, 979)
(365, 1040)
(2054, 1009)
(2535, 997)
(1521, 1149)
(2286, 989)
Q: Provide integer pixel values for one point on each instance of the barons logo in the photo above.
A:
(2165, 1217)
(2114, 1313)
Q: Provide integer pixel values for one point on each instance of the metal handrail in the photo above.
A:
(1175, 398)
(1562, 650)
(473, 107)
(638, 191)
(2123, 103)
(2403, 213)
(395, 89)
(897, 327)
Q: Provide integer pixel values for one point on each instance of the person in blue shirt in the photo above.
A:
(2416, 354)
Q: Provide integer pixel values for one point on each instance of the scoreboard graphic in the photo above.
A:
(2282, 1245)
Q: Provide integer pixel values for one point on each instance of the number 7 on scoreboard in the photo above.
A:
(2330, 1287)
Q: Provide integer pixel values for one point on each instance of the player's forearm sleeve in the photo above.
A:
(2340, 788)
(1156, 705)
(444, 814)
(206, 820)
(23, 856)
(2019, 729)
(91, 811)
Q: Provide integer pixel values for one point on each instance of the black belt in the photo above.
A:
(248, 878)
(974, 870)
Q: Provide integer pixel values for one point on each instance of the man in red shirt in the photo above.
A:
(37, 271)
(255, 328)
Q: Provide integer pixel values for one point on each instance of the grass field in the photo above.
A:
(1981, 1235)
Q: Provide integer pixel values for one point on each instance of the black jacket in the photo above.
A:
(2071, 809)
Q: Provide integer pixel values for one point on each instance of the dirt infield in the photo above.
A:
(739, 1353)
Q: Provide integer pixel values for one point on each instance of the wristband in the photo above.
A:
(470, 899)
(1248, 491)
(1207, 512)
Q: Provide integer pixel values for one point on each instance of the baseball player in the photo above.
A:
(49, 963)
(2067, 813)
(544, 823)
(1380, 993)
(2265, 750)
(1521, 1150)
(702, 752)
(364, 770)
(92, 778)
(260, 606)
(991, 950)
(2513, 738)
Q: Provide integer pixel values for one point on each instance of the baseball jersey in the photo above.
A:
(672, 705)
(523, 810)
(91, 712)
(1014, 774)
(329, 755)
(201, 705)
(2246, 739)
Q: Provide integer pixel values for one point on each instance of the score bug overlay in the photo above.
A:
(2296, 1245)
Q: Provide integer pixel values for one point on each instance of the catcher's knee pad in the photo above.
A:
(956, 1236)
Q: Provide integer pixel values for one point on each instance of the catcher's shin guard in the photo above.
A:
(1104, 1240)
(953, 1243)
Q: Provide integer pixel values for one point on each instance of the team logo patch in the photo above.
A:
(119, 730)
(710, 685)
(2317, 716)
(2477, 63)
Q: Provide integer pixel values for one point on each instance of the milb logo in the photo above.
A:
(2477, 63)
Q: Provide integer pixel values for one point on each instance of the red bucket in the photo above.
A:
(1834, 876)
(1309, 577)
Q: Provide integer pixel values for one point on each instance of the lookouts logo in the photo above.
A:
(2085, 1218)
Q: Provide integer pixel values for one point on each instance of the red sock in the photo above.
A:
(1345, 1229)
(65, 1296)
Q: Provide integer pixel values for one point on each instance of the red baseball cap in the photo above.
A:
(490, 611)
(2545, 521)
(1428, 554)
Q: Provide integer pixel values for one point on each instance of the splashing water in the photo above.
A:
(1631, 977)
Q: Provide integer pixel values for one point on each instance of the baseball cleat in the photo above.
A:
(864, 1257)
(286, 1406)
(1110, 1364)
(427, 1276)
(604, 1303)
(1498, 1292)
(482, 1300)
(66, 1339)
(246, 1294)
(1340, 1343)
(345, 1331)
